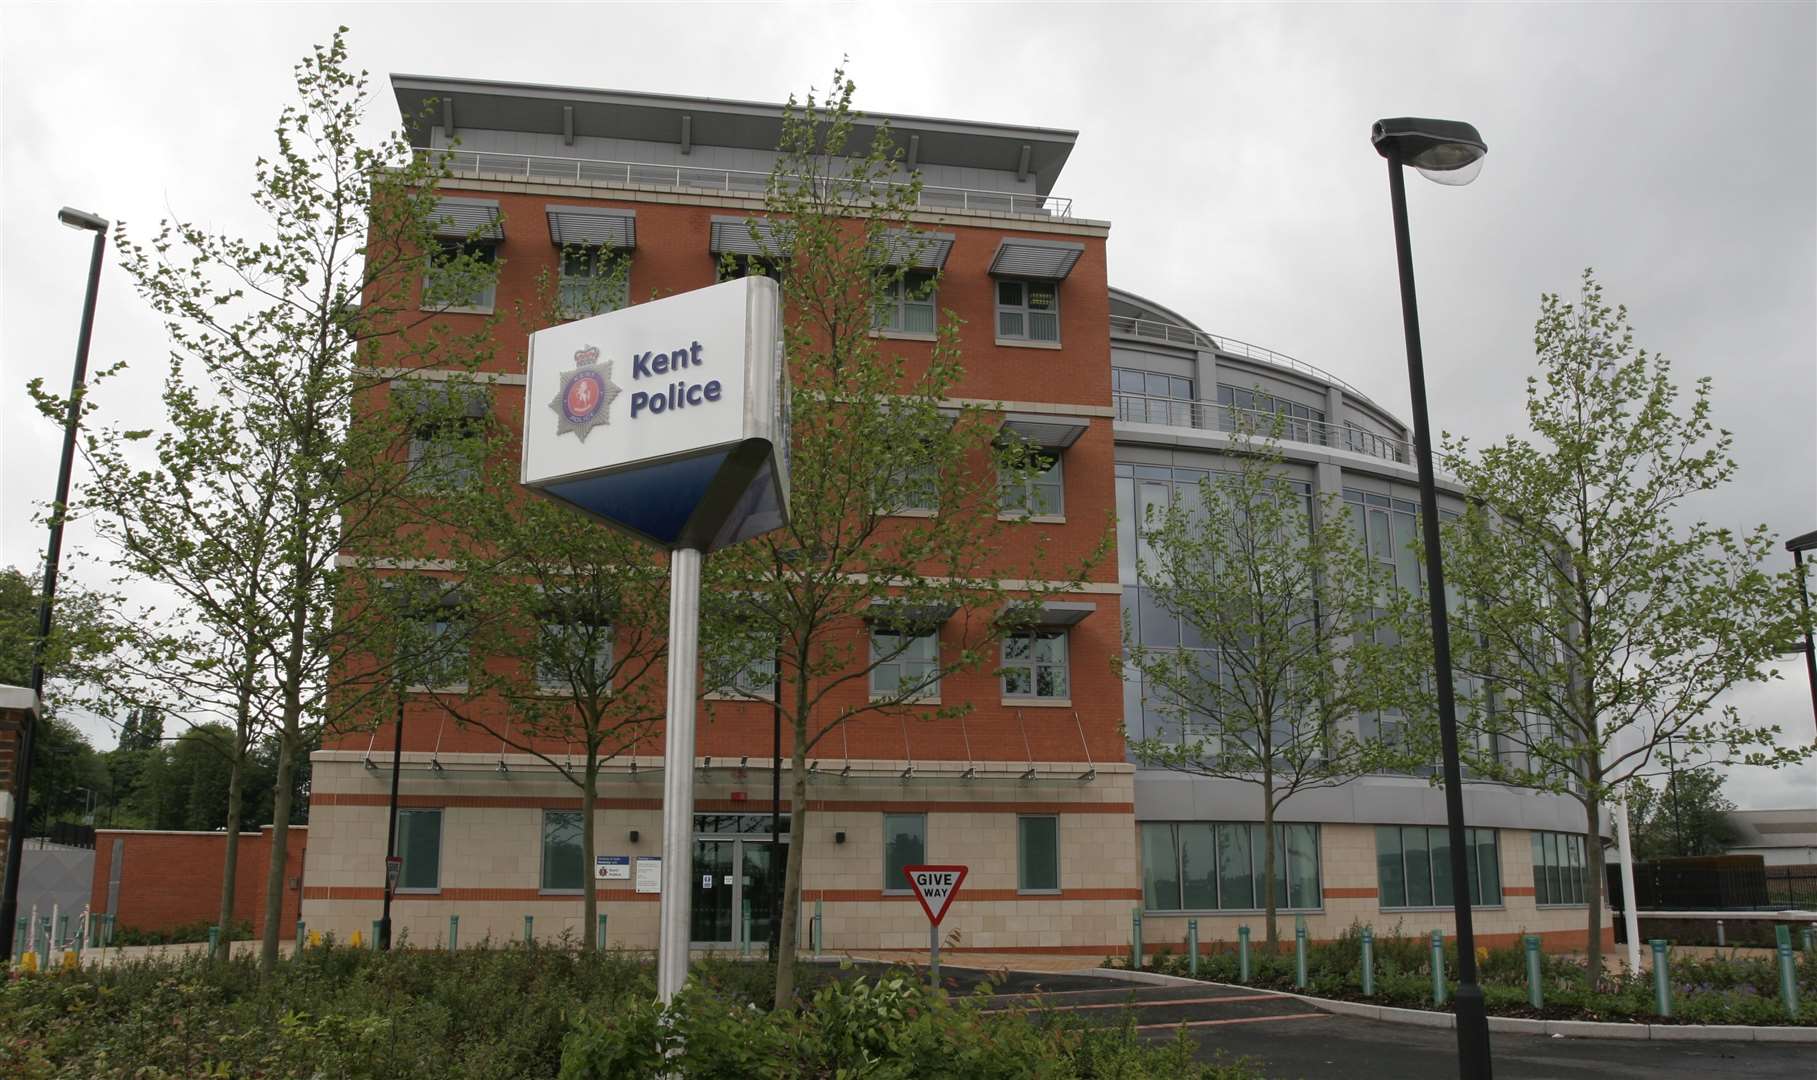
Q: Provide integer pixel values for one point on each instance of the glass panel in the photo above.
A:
(1489, 866)
(1303, 866)
(758, 887)
(1555, 882)
(1126, 529)
(1009, 324)
(712, 921)
(1236, 884)
(561, 850)
(1043, 326)
(1577, 868)
(1043, 296)
(904, 844)
(1390, 875)
(1198, 867)
(1160, 867)
(1439, 843)
(918, 318)
(1009, 293)
(1038, 853)
(1419, 868)
(1406, 554)
(419, 841)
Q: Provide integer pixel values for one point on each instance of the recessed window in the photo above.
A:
(1038, 854)
(911, 483)
(1413, 866)
(419, 843)
(1034, 665)
(463, 275)
(904, 845)
(1558, 868)
(904, 664)
(755, 680)
(1039, 490)
(731, 267)
(594, 280)
(447, 433)
(435, 646)
(562, 869)
(908, 304)
(1028, 310)
(1219, 866)
(573, 654)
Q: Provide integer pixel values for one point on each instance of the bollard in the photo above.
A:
(375, 934)
(1536, 991)
(62, 930)
(1782, 936)
(1810, 940)
(1662, 978)
(44, 946)
(1299, 953)
(302, 936)
(529, 931)
(1243, 954)
(454, 932)
(745, 945)
(20, 935)
(1368, 962)
(1438, 967)
(1192, 945)
(817, 925)
(600, 939)
(1722, 939)
(1135, 940)
(1788, 979)
(94, 931)
(214, 942)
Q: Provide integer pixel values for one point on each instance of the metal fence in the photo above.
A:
(1213, 416)
(1665, 886)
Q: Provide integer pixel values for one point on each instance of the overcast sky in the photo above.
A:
(1672, 147)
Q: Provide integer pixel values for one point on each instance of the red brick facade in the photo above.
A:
(171, 879)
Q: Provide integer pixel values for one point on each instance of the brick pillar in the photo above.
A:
(9, 774)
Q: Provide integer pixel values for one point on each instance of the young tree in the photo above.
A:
(1278, 651)
(1600, 624)
(871, 432)
(1686, 814)
(283, 337)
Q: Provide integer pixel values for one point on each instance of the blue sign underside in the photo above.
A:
(655, 501)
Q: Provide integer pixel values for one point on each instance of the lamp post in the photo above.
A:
(1450, 153)
(1798, 545)
(15, 840)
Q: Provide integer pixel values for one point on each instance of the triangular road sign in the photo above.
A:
(935, 887)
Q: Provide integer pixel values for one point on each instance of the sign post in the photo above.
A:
(934, 887)
(668, 420)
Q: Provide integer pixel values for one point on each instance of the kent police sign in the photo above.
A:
(665, 419)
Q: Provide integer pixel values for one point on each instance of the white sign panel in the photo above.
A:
(935, 887)
(612, 867)
(649, 874)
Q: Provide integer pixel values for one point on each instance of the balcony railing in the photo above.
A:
(1175, 334)
(1211, 416)
(477, 164)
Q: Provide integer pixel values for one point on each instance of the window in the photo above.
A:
(562, 869)
(756, 680)
(1413, 866)
(1218, 866)
(1361, 440)
(1250, 410)
(1039, 491)
(594, 280)
(447, 427)
(907, 304)
(1028, 310)
(1038, 854)
(732, 267)
(568, 651)
(1149, 397)
(419, 843)
(463, 275)
(913, 484)
(905, 663)
(1034, 665)
(904, 844)
(1558, 868)
(434, 647)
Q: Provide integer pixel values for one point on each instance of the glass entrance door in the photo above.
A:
(732, 878)
(714, 888)
(758, 886)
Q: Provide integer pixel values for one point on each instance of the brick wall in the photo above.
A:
(168, 879)
(9, 757)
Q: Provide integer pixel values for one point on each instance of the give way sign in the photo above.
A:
(935, 887)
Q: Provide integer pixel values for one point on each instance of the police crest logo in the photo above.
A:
(585, 395)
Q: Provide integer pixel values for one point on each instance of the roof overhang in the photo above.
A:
(908, 616)
(1046, 432)
(1052, 614)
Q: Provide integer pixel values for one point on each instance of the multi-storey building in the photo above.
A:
(1032, 789)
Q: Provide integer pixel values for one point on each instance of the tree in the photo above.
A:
(81, 642)
(277, 341)
(1276, 650)
(869, 435)
(1597, 626)
(1687, 814)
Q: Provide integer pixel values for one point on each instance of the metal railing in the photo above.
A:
(1175, 334)
(1212, 416)
(486, 163)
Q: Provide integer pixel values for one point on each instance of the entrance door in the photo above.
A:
(732, 876)
(758, 886)
(714, 888)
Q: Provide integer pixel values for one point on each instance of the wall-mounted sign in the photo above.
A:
(649, 873)
(612, 867)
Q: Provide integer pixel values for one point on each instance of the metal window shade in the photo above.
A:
(1046, 432)
(592, 227)
(1037, 260)
(733, 236)
(1055, 614)
(468, 219)
(916, 249)
(905, 616)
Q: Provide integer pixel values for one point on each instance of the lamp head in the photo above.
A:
(82, 219)
(1448, 152)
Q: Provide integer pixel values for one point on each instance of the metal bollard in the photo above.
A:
(1782, 936)
(1299, 953)
(302, 936)
(1243, 954)
(817, 927)
(107, 929)
(1135, 940)
(1810, 940)
(1662, 978)
(1722, 938)
(21, 935)
(1438, 967)
(1788, 979)
(62, 929)
(745, 945)
(375, 934)
(1192, 946)
(1536, 991)
(600, 938)
(1368, 962)
(214, 942)
(454, 932)
(529, 931)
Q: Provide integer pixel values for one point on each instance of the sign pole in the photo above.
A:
(933, 956)
(677, 903)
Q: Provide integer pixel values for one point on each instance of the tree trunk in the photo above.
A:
(589, 906)
(1268, 874)
(791, 882)
(280, 844)
(230, 864)
(1593, 888)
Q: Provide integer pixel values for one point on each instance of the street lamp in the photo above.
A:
(1798, 545)
(15, 840)
(1451, 153)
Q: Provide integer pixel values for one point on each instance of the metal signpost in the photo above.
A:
(935, 887)
(668, 420)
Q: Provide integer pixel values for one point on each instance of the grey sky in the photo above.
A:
(1673, 147)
